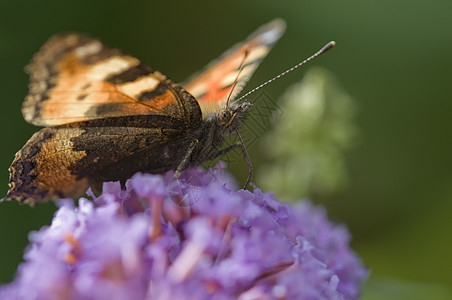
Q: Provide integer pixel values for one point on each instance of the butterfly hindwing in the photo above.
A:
(212, 85)
(77, 78)
(61, 161)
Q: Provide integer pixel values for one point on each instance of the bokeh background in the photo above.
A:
(393, 58)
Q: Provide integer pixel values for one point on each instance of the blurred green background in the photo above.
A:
(392, 57)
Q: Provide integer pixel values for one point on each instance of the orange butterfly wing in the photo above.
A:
(77, 78)
(212, 85)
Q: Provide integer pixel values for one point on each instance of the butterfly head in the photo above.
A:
(230, 117)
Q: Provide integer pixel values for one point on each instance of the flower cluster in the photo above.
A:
(191, 238)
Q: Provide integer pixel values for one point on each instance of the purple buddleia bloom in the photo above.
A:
(190, 238)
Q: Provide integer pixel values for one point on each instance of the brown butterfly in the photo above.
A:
(108, 115)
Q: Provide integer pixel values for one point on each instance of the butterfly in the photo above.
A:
(107, 115)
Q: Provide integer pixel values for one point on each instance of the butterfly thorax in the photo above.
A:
(213, 130)
(230, 118)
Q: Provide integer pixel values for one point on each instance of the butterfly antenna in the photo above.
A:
(241, 67)
(321, 51)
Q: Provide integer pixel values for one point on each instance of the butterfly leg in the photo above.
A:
(249, 165)
(249, 180)
(186, 160)
(240, 144)
(226, 150)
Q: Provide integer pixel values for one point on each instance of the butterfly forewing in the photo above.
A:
(77, 78)
(212, 85)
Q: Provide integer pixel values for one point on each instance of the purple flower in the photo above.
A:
(191, 238)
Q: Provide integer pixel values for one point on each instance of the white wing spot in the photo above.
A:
(88, 49)
(113, 65)
(147, 83)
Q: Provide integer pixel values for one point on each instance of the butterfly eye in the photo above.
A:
(224, 116)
